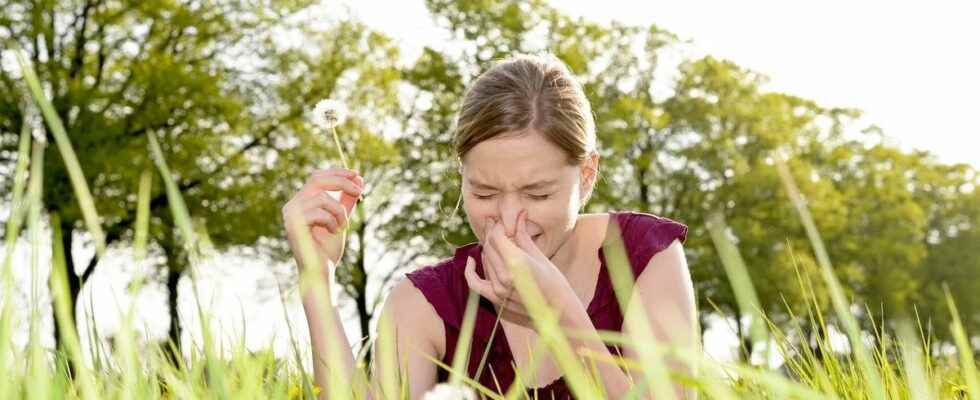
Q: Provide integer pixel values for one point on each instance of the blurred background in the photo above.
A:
(871, 103)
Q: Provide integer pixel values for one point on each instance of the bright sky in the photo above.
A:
(911, 66)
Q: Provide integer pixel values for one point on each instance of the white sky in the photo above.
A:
(912, 66)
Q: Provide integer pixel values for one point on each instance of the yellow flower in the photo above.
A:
(296, 391)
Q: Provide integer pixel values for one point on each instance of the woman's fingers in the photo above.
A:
(501, 270)
(523, 239)
(323, 201)
(491, 267)
(349, 200)
(489, 271)
(477, 284)
(334, 207)
(505, 251)
(320, 217)
(497, 265)
(332, 181)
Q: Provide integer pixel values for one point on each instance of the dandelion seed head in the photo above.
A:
(329, 113)
(445, 391)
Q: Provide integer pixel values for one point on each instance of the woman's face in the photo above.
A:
(524, 172)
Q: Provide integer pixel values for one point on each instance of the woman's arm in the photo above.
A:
(416, 326)
(419, 336)
(665, 294)
(319, 317)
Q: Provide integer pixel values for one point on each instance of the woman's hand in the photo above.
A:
(500, 255)
(322, 216)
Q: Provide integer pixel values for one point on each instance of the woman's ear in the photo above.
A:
(589, 175)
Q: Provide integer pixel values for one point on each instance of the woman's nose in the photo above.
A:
(508, 217)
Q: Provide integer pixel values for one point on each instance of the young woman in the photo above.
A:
(526, 146)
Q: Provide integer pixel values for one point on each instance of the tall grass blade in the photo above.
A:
(839, 301)
(38, 377)
(963, 348)
(312, 280)
(64, 313)
(18, 210)
(738, 276)
(17, 207)
(142, 214)
(654, 369)
(462, 356)
(912, 356)
(546, 324)
(75, 175)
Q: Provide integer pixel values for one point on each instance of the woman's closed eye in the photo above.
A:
(538, 197)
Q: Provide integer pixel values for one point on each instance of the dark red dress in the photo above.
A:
(445, 287)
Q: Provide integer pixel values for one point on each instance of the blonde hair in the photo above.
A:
(526, 93)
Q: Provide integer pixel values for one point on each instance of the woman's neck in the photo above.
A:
(570, 250)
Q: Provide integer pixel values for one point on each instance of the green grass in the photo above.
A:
(896, 368)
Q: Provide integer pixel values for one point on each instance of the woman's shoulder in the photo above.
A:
(645, 234)
(637, 225)
(444, 284)
(650, 226)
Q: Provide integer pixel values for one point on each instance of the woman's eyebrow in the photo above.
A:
(535, 185)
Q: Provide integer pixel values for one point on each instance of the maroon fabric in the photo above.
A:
(444, 286)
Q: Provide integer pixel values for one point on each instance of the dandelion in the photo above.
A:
(328, 114)
(446, 391)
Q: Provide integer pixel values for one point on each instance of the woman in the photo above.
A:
(526, 146)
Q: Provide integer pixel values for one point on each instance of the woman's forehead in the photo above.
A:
(525, 174)
(521, 151)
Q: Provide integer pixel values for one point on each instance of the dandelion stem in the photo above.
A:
(340, 150)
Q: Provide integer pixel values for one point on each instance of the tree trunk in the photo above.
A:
(641, 178)
(175, 330)
(74, 287)
(175, 270)
(363, 313)
(744, 349)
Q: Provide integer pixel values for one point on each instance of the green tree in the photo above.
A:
(951, 202)
(226, 99)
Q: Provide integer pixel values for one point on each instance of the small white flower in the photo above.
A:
(329, 113)
(445, 391)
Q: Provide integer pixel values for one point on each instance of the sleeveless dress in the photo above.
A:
(444, 286)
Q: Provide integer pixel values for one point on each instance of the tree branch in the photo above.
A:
(90, 268)
(115, 231)
(78, 57)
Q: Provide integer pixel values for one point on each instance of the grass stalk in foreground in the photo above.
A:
(312, 280)
(545, 320)
(964, 348)
(59, 289)
(741, 281)
(38, 374)
(74, 169)
(839, 301)
(656, 374)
